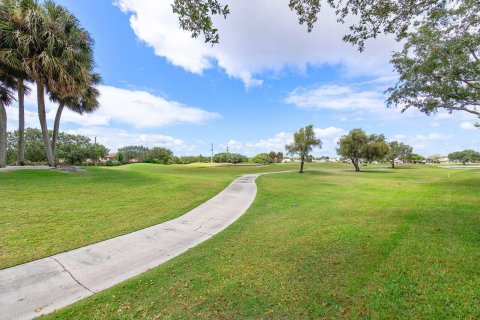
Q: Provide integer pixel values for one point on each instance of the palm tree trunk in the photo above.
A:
(56, 128)
(43, 123)
(21, 124)
(3, 135)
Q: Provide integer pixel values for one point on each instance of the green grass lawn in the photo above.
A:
(331, 243)
(44, 212)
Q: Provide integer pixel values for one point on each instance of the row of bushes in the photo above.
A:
(71, 148)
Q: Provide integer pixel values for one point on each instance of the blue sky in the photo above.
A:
(266, 78)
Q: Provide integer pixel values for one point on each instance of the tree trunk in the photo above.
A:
(355, 164)
(56, 128)
(3, 135)
(393, 163)
(21, 124)
(43, 123)
(302, 161)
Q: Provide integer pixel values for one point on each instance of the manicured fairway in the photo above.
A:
(43, 212)
(385, 244)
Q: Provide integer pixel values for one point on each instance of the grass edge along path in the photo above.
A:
(45, 212)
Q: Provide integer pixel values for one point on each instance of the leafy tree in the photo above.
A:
(262, 158)
(120, 157)
(465, 156)
(193, 159)
(272, 157)
(237, 158)
(439, 66)
(265, 158)
(138, 153)
(34, 149)
(195, 16)
(190, 159)
(304, 140)
(373, 17)
(75, 149)
(159, 155)
(415, 157)
(376, 148)
(279, 157)
(357, 145)
(225, 157)
(398, 150)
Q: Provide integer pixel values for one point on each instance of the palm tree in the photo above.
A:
(86, 102)
(56, 54)
(12, 15)
(46, 44)
(7, 85)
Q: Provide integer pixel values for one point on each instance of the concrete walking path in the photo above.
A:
(16, 168)
(42, 286)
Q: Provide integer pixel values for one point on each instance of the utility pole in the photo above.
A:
(211, 157)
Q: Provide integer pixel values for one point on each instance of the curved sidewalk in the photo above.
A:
(42, 286)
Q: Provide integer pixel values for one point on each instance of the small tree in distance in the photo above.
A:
(357, 145)
(398, 150)
(303, 142)
(464, 156)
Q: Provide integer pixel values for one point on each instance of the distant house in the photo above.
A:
(437, 159)
(286, 160)
(110, 156)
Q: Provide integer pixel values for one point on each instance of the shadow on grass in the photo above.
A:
(371, 171)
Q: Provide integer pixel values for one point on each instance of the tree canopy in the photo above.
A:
(465, 156)
(73, 149)
(357, 145)
(373, 17)
(159, 155)
(439, 66)
(227, 157)
(398, 150)
(304, 140)
(138, 153)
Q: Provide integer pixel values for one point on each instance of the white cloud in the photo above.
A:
(329, 132)
(232, 145)
(432, 137)
(137, 108)
(399, 136)
(120, 109)
(329, 137)
(116, 138)
(434, 143)
(468, 126)
(336, 97)
(255, 39)
(142, 109)
(31, 118)
(278, 142)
